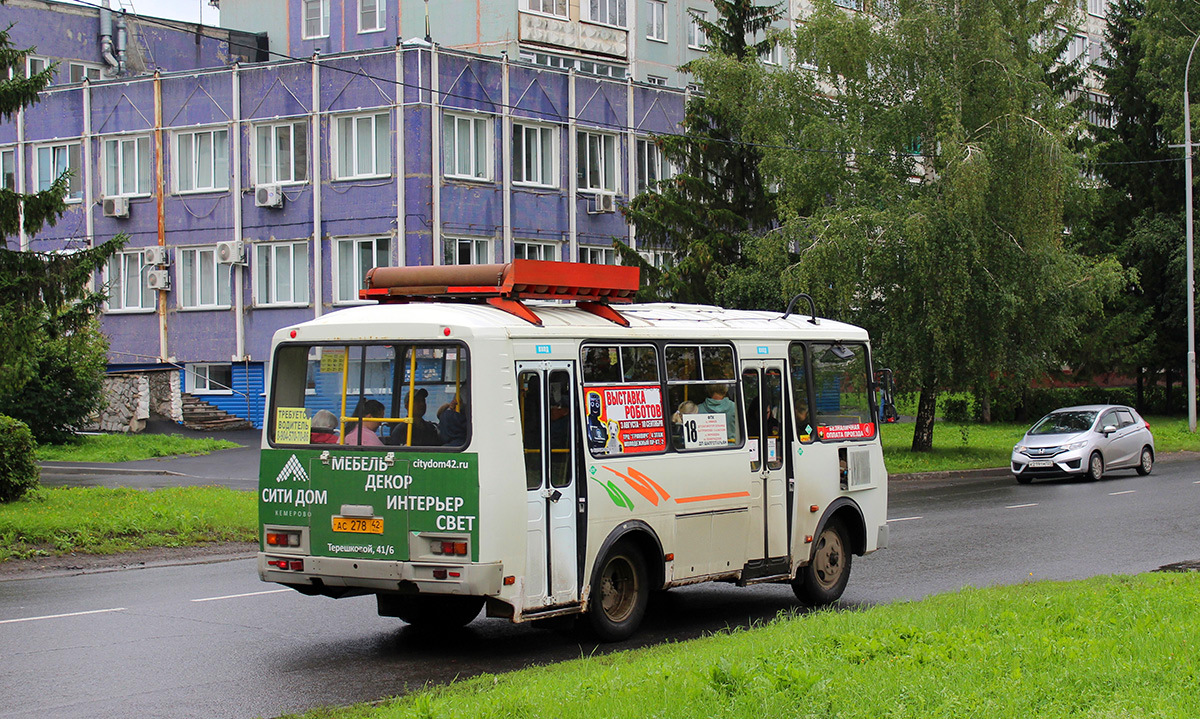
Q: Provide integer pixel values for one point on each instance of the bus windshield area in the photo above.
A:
(371, 395)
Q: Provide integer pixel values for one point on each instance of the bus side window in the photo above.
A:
(702, 396)
(531, 427)
(800, 404)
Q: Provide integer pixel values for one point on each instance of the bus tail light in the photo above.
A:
(450, 548)
(283, 539)
(294, 565)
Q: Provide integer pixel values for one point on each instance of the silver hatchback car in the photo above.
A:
(1086, 440)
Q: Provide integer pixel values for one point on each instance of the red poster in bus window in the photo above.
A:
(847, 431)
(625, 419)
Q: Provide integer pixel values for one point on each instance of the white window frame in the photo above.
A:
(656, 20)
(64, 152)
(656, 258)
(306, 19)
(612, 13)
(8, 168)
(297, 137)
(1078, 47)
(199, 378)
(90, 70)
(139, 146)
(128, 265)
(218, 151)
(1098, 8)
(854, 5)
(535, 250)
(608, 171)
(649, 156)
(773, 56)
(380, 16)
(472, 133)
(478, 249)
(598, 256)
(381, 248)
(191, 280)
(657, 80)
(697, 39)
(558, 8)
(381, 145)
(536, 170)
(267, 259)
(35, 64)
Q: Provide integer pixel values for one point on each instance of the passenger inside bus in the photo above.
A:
(718, 403)
(323, 429)
(363, 433)
(452, 418)
(424, 432)
(685, 408)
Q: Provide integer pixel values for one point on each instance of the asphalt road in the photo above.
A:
(210, 640)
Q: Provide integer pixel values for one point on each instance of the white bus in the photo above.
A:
(463, 445)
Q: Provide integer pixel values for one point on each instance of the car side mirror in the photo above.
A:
(1108, 429)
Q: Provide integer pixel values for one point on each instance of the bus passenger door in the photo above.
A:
(548, 418)
(762, 387)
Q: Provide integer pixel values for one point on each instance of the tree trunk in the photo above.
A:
(1168, 395)
(985, 409)
(1141, 390)
(926, 407)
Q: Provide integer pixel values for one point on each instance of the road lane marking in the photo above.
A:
(238, 596)
(904, 519)
(60, 616)
(1021, 506)
(1128, 491)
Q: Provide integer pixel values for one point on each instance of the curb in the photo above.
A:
(989, 473)
(53, 468)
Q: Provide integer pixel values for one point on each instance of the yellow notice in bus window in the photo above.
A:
(333, 361)
(292, 425)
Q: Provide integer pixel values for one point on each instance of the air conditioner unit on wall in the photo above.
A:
(268, 196)
(155, 255)
(116, 207)
(232, 252)
(158, 279)
(602, 203)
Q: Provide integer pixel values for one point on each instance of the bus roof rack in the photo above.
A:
(591, 287)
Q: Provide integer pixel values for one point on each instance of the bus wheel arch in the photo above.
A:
(625, 571)
(840, 534)
(646, 540)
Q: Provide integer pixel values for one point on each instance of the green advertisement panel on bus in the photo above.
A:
(365, 505)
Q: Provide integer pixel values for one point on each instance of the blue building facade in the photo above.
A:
(257, 195)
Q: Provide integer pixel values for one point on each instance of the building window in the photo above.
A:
(209, 378)
(548, 7)
(467, 251)
(536, 251)
(281, 153)
(315, 18)
(35, 65)
(597, 161)
(53, 161)
(127, 166)
(466, 147)
(1099, 8)
(535, 155)
(79, 71)
(372, 15)
(696, 38)
(773, 55)
(8, 169)
(598, 255)
(202, 161)
(655, 258)
(656, 20)
(849, 4)
(586, 67)
(125, 276)
(656, 80)
(354, 258)
(609, 12)
(1077, 48)
(652, 166)
(203, 282)
(362, 146)
(281, 273)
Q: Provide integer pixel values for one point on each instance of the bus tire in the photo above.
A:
(443, 611)
(824, 578)
(620, 593)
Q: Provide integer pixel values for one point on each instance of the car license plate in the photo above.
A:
(1035, 463)
(358, 525)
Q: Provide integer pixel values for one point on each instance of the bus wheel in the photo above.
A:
(619, 594)
(824, 578)
(430, 611)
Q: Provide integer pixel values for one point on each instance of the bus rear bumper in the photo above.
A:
(481, 580)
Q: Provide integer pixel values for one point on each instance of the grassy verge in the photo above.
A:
(976, 446)
(99, 520)
(1106, 647)
(128, 447)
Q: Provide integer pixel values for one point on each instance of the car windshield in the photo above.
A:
(1064, 423)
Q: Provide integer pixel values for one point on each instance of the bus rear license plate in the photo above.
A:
(358, 525)
(1037, 463)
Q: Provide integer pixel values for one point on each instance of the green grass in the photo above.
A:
(129, 447)
(99, 520)
(958, 446)
(1110, 647)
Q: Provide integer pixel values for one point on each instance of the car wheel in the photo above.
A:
(1023, 478)
(1147, 462)
(619, 594)
(824, 578)
(1095, 467)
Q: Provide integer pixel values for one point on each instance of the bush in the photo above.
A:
(18, 471)
(956, 409)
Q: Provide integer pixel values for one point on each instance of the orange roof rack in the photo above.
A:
(591, 287)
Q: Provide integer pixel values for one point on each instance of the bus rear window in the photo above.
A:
(370, 395)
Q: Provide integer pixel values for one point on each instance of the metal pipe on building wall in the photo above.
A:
(239, 275)
(22, 238)
(630, 155)
(436, 153)
(106, 39)
(317, 179)
(121, 38)
(506, 125)
(572, 178)
(86, 157)
(401, 210)
(161, 181)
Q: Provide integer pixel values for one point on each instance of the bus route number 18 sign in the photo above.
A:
(625, 420)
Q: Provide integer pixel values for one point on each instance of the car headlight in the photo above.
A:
(1020, 448)
(1075, 445)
